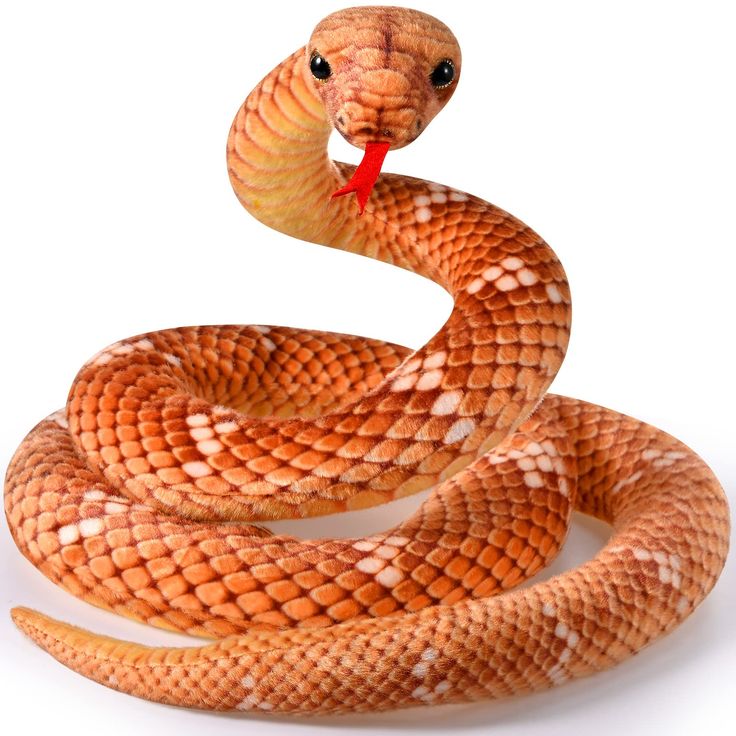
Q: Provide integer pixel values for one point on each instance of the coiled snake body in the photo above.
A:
(139, 497)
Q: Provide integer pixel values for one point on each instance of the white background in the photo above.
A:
(608, 127)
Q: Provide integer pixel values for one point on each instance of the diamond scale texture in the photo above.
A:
(144, 494)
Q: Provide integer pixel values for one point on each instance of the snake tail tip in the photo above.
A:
(50, 634)
(21, 615)
(35, 625)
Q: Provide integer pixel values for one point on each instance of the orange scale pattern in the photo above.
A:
(142, 496)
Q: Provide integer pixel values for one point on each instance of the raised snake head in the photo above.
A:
(383, 73)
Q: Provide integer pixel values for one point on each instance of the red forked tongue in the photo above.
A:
(364, 177)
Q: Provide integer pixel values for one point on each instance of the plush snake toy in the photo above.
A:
(140, 497)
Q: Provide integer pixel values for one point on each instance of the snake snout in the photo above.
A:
(397, 129)
(373, 132)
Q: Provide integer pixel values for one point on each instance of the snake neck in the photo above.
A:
(282, 174)
(278, 162)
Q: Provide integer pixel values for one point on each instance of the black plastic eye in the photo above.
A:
(443, 74)
(319, 67)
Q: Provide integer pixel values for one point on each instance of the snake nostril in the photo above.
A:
(340, 120)
(367, 130)
(419, 124)
(386, 133)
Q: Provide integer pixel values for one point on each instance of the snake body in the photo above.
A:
(141, 496)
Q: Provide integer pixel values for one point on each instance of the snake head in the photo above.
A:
(382, 73)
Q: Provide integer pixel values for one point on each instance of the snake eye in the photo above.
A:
(319, 67)
(443, 74)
